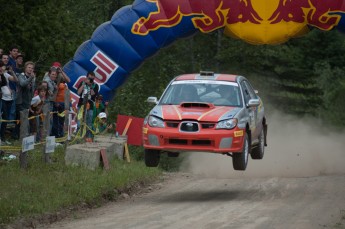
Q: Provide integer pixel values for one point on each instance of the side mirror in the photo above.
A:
(253, 103)
(152, 100)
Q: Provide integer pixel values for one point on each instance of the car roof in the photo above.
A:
(208, 76)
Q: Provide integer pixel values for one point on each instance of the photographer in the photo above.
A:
(58, 121)
(88, 90)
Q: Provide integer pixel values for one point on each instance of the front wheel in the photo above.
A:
(152, 157)
(258, 151)
(240, 159)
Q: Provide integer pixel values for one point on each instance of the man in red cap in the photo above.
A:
(56, 65)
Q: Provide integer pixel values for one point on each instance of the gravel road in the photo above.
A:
(300, 183)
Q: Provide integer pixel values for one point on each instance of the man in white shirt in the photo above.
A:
(6, 98)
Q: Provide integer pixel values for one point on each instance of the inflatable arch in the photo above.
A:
(138, 31)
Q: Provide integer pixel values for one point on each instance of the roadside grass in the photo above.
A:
(47, 188)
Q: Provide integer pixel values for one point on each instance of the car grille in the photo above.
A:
(189, 127)
(175, 141)
(172, 124)
(207, 125)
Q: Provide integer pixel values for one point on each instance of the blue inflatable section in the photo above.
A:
(114, 51)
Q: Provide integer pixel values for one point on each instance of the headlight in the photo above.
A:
(156, 122)
(227, 124)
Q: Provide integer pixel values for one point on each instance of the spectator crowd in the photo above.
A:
(22, 89)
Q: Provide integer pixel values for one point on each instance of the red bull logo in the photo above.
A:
(321, 14)
(209, 15)
(259, 21)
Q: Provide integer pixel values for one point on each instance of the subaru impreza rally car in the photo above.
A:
(206, 112)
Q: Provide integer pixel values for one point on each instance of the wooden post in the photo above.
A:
(46, 127)
(24, 129)
(128, 159)
(67, 104)
(105, 159)
(85, 102)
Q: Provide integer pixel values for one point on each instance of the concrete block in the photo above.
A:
(119, 143)
(81, 155)
(88, 154)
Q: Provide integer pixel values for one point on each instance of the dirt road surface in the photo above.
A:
(300, 183)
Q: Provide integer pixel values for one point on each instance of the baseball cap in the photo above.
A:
(102, 115)
(20, 55)
(56, 65)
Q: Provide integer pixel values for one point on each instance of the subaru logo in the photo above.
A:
(189, 125)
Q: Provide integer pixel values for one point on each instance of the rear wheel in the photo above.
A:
(240, 159)
(258, 151)
(152, 157)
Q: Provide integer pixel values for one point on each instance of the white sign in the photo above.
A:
(28, 143)
(50, 144)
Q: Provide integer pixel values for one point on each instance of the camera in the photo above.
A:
(91, 80)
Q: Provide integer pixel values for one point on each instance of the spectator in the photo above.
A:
(26, 87)
(2, 83)
(101, 125)
(35, 110)
(13, 56)
(43, 84)
(99, 107)
(7, 100)
(5, 59)
(18, 68)
(1, 51)
(52, 89)
(59, 107)
(19, 64)
(88, 90)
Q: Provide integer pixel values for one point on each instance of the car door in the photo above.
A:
(249, 93)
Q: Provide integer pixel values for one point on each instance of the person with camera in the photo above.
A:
(59, 107)
(88, 91)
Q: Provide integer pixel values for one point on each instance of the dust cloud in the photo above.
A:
(296, 148)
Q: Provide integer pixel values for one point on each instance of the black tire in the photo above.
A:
(152, 157)
(173, 154)
(240, 159)
(259, 150)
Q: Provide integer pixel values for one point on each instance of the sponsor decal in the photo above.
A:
(238, 133)
(145, 130)
(105, 67)
(257, 22)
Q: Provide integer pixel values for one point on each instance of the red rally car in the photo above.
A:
(206, 112)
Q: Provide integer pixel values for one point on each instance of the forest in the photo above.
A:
(304, 76)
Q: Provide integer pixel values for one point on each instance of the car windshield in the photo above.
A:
(219, 93)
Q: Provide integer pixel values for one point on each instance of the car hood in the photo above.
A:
(203, 112)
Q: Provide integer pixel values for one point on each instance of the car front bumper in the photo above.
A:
(171, 139)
